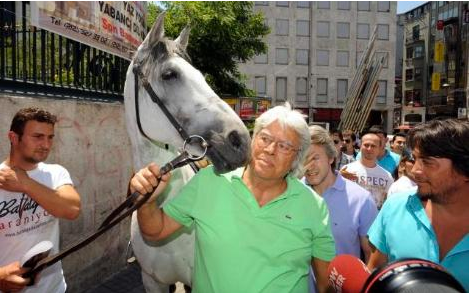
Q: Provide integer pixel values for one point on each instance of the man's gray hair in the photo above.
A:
(287, 117)
(320, 136)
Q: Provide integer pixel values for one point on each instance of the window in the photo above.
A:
(384, 6)
(301, 88)
(418, 73)
(343, 5)
(261, 3)
(260, 59)
(302, 28)
(321, 94)
(281, 27)
(281, 56)
(363, 5)
(322, 29)
(418, 51)
(363, 31)
(322, 57)
(416, 32)
(342, 58)
(281, 88)
(378, 55)
(409, 74)
(381, 97)
(409, 52)
(282, 3)
(302, 4)
(302, 57)
(343, 30)
(324, 5)
(342, 87)
(260, 85)
(383, 32)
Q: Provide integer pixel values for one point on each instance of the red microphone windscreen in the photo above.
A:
(347, 274)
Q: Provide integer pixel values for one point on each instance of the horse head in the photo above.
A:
(164, 65)
(189, 99)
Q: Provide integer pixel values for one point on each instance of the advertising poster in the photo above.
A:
(246, 110)
(115, 27)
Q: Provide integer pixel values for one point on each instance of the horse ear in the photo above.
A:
(183, 38)
(157, 31)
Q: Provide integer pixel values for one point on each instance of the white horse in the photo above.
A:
(199, 111)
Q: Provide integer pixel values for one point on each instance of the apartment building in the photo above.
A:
(314, 50)
(436, 54)
(415, 66)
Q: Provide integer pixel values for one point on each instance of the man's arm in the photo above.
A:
(377, 258)
(320, 272)
(64, 202)
(153, 222)
(365, 245)
(10, 278)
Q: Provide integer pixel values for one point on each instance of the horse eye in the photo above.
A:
(169, 75)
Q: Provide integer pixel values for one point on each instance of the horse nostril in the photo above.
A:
(235, 139)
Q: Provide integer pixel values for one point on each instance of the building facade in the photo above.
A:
(314, 50)
(435, 71)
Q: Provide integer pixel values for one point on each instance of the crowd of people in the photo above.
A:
(274, 225)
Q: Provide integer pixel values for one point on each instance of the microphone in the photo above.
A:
(347, 274)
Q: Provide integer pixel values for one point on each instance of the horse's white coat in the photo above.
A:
(199, 110)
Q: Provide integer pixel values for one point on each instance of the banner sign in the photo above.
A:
(439, 51)
(115, 27)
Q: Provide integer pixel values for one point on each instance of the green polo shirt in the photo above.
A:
(241, 247)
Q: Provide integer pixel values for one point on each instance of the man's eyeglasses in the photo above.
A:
(347, 141)
(336, 141)
(264, 140)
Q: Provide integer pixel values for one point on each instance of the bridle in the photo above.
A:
(155, 99)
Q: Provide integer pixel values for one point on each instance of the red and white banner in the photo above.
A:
(114, 27)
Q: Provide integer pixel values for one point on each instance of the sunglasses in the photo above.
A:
(347, 141)
(336, 141)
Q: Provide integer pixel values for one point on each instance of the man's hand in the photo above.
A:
(348, 175)
(146, 179)
(10, 278)
(14, 179)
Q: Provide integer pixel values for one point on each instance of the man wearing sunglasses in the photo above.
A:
(342, 158)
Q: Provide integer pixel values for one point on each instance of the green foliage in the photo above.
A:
(222, 34)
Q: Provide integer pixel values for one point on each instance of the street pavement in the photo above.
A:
(128, 280)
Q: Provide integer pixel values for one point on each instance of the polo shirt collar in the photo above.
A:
(339, 183)
(291, 190)
(414, 205)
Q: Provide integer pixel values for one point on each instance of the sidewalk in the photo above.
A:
(128, 280)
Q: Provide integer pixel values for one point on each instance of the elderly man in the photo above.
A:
(257, 228)
(33, 196)
(435, 217)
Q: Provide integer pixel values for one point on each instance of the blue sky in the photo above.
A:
(404, 6)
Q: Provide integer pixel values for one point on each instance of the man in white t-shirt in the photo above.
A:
(367, 173)
(33, 196)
